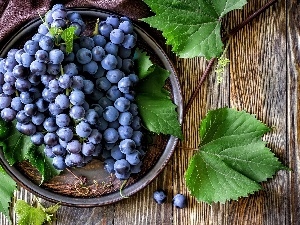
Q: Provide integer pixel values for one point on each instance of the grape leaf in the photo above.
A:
(156, 108)
(143, 64)
(191, 27)
(7, 188)
(68, 35)
(18, 147)
(232, 159)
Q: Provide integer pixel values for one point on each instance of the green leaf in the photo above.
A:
(68, 35)
(29, 215)
(18, 147)
(156, 108)
(143, 64)
(4, 129)
(232, 159)
(7, 188)
(192, 27)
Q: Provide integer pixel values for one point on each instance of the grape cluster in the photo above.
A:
(81, 104)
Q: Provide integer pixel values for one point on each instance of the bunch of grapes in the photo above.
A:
(78, 104)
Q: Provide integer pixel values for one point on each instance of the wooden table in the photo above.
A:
(262, 78)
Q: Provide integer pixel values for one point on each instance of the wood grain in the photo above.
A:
(262, 79)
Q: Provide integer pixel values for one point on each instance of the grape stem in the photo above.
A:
(121, 189)
(232, 32)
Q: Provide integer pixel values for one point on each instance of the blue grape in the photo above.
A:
(38, 118)
(103, 83)
(62, 120)
(133, 158)
(59, 14)
(125, 84)
(8, 114)
(74, 146)
(19, 71)
(126, 26)
(125, 118)
(59, 23)
(91, 116)
(100, 72)
(88, 86)
(15, 104)
(127, 146)
(77, 112)
(110, 113)
(105, 28)
(160, 196)
(36, 37)
(65, 134)
(10, 63)
(95, 137)
(22, 117)
(83, 129)
(136, 123)
(74, 159)
(98, 109)
(179, 201)
(91, 67)
(74, 16)
(58, 162)
(30, 109)
(110, 135)
(54, 109)
(50, 124)
(125, 132)
(64, 81)
(109, 62)
(8, 89)
(37, 138)
(111, 48)
(53, 69)
(127, 65)
(124, 52)
(46, 43)
(134, 78)
(56, 56)
(38, 68)
(26, 97)
(77, 82)
(133, 109)
(5, 101)
(113, 21)
(18, 56)
(77, 97)
(121, 166)
(99, 40)
(136, 168)
(48, 152)
(50, 139)
(109, 165)
(137, 137)
(26, 59)
(54, 86)
(88, 149)
(42, 56)
(113, 93)
(98, 53)
(58, 150)
(41, 104)
(43, 29)
(62, 101)
(9, 78)
(104, 102)
(47, 95)
(129, 41)
(114, 76)
(86, 42)
(22, 85)
(116, 153)
(116, 36)
(34, 79)
(84, 55)
(122, 104)
(31, 47)
(71, 69)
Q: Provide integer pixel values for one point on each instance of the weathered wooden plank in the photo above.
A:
(293, 117)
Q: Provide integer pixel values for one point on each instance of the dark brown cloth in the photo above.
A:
(15, 13)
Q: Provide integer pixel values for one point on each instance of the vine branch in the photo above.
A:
(232, 32)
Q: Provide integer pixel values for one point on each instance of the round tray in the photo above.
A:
(100, 188)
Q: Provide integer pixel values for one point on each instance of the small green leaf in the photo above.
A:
(232, 158)
(143, 64)
(68, 35)
(192, 27)
(29, 215)
(156, 108)
(54, 31)
(7, 188)
(18, 147)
